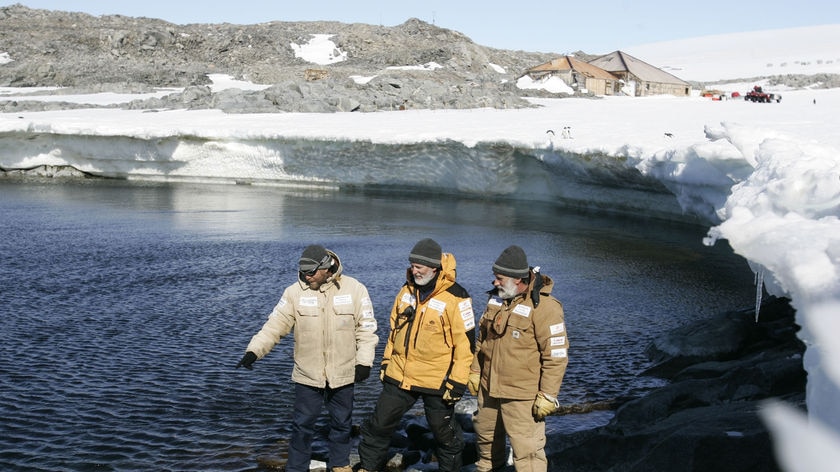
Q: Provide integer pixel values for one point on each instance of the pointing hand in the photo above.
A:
(247, 361)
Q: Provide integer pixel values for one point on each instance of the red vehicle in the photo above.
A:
(758, 95)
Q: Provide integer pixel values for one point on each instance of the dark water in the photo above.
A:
(125, 307)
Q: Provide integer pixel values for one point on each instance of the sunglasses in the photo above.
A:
(321, 265)
(309, 273)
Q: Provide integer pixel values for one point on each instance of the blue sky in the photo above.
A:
(557, 26)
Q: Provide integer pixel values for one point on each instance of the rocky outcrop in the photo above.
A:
(720, 371)
(118, 53)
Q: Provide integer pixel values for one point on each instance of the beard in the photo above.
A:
(424, 280)
(507, 289)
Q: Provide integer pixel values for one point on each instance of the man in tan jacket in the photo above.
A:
(520, 359)
(335, 338)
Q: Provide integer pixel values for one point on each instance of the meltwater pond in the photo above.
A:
(125, 307)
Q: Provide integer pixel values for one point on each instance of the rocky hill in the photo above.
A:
(119, 53)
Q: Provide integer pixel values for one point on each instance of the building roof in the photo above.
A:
(567, 63)
(622, 62)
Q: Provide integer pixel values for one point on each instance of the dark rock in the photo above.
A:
(726, 437)
(706, 418)
(723, 337)
(65, 49)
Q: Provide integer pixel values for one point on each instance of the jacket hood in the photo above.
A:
(539, 286)
(544, 286)
(446, 274)
(338, 267)
(335, 278)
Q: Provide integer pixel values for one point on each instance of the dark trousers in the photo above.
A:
(308, 404)
(393, 403)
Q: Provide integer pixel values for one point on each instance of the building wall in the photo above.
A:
(644, 89)
(600, 86)
(597, 86)
(655, 88)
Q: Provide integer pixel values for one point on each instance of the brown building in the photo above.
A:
(579, 75)
(640, 77)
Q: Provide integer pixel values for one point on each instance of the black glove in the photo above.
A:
(538, 285)
(362, 373)
(247, 361)
(452, 394)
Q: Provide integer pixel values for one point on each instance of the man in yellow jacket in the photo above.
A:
(335, 338)
(427, 356)
(520, 360)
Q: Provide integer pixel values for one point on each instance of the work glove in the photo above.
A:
(362, 373)
(382, 370)
(544, 405)
(452, 394)
(473, 382)
(247, 361)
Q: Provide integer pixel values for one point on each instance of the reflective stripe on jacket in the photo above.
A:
(334, 329)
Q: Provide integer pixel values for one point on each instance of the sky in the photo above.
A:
(558, 26)
(771, 172)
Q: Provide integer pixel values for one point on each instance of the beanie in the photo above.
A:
(426, 252)
(314, 257)
(512, 263)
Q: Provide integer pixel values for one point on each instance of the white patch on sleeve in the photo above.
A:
(342, 300)
(368, 326)
(558, 341)
(367, 314)
(407, 298)
(522, 310)
(557, 328)
(282, 302)
(466, 311)
(495, 301)
(469, 324)
(559, 353)
(366, 301)
(308, 301)
(437, 305)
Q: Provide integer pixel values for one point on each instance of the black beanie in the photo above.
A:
(512, 263)
(426, 252)
(314, 257)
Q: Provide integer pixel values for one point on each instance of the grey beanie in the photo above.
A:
(314, 257)
(426, 252)
(512, 263)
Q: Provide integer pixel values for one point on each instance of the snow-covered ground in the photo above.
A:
(810, 50)
(781, 162)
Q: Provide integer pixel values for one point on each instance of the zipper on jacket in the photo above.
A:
(408, 324)
(444, 328)
(417, 335)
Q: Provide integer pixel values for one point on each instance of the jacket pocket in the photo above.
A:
(432, 341)
(344, 338)
(308, 317)
(520, 329)
(519, 322)
(522, 343)
(345, 322)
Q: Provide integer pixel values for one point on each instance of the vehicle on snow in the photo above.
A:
(758, 95)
